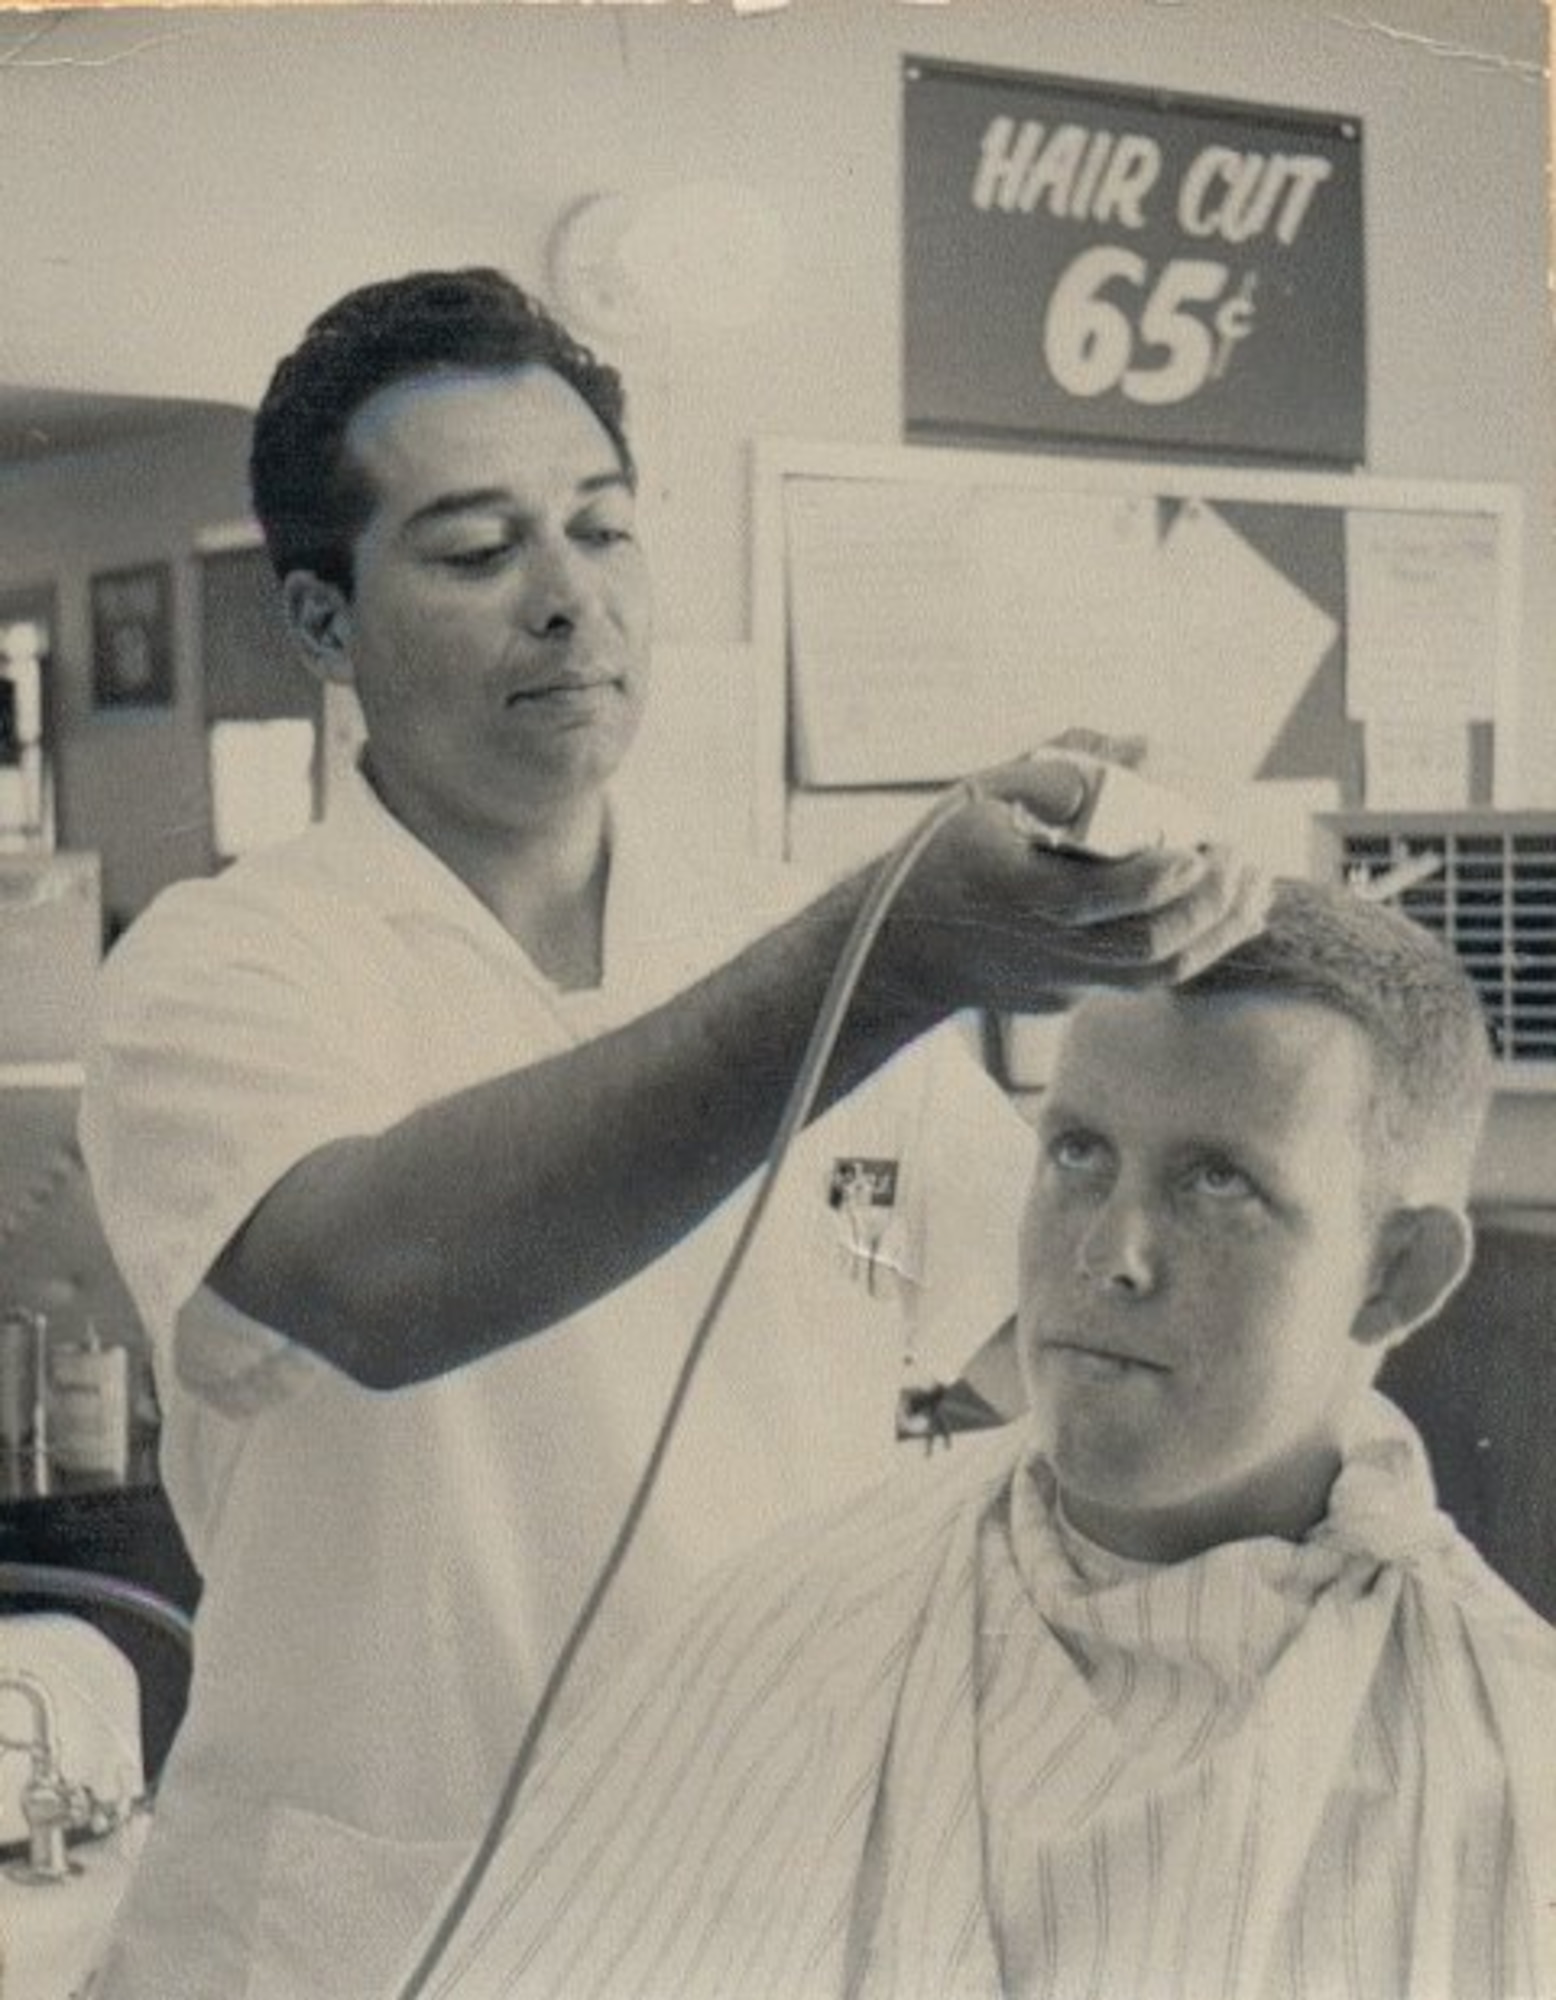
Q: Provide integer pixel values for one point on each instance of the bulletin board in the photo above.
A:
(1342, 641)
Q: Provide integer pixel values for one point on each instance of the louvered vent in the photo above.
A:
(1492, 895)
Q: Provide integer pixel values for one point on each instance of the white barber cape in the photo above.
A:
(945, 1748)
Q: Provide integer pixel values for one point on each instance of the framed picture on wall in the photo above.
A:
(132, 637)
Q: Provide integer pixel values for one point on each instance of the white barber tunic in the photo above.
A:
(387, 1577)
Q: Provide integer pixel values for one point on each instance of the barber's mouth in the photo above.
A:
(563, 692)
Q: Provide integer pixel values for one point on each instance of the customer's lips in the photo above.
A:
(1102, 1361)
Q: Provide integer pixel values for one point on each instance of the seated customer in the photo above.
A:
(1181, 1686)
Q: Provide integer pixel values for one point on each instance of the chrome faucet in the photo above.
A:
(52, 1806)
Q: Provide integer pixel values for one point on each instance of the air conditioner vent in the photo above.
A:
(1491, 895)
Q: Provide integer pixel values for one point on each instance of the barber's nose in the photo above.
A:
(1119, 1252)
(553, 589)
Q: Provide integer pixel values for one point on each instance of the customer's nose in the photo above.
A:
(1120, 1251)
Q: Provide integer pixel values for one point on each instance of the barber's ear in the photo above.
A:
(1420, 1258)
(319, 613)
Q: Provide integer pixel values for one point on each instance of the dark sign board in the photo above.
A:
(1083, 262)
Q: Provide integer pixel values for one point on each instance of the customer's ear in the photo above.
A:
(319, 614)
(1420, 1258)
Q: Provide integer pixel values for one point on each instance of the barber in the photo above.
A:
(447, 1099)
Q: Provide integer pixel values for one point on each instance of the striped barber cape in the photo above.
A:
(939, 1747)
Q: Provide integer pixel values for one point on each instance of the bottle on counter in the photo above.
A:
(24, 1446)
(18, 1344)
(89, 1407)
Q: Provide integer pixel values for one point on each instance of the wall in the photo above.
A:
(130, 783)
(281, 155)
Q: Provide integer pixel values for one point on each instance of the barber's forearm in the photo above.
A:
(491, 1215)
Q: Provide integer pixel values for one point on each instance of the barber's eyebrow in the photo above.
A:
(494, 499)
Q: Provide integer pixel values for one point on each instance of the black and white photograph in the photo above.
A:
(778, 1001)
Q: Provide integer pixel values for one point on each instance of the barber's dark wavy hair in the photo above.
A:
(310, 500)
(1432, 1061)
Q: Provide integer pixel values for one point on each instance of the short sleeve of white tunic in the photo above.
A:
(237, 1033)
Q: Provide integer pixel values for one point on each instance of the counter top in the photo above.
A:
(54, 1932)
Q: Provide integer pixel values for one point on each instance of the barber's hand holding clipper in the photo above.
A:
(1066, 870)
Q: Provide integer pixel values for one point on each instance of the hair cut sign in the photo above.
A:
(1083, 262)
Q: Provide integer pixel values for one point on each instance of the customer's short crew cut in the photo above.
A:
(1413, 1000)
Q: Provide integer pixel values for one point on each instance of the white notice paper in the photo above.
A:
(878, 632)
(934, 631)
(1422, 627)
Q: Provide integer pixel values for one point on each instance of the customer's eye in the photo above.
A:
(1077, 1152)
(1221, 1181)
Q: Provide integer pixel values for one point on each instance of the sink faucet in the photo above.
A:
(51, 1805)
(46, 1802)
